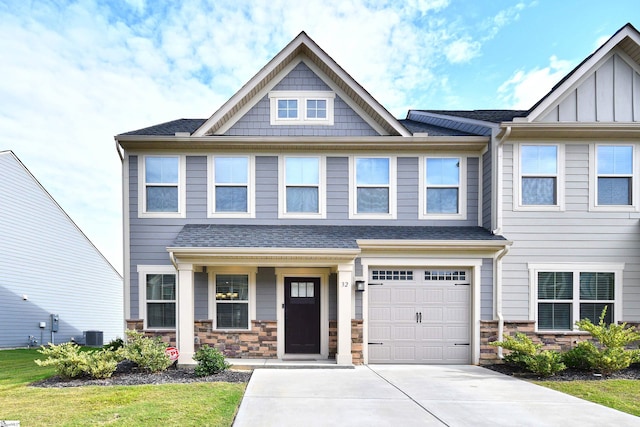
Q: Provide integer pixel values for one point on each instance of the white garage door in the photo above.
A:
(419, 316)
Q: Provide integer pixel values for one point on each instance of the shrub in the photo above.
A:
(529, 356)
(580, 356)
(114, 345)
(148, 353)
(635, 356)
(210, 361)
(70, 362)
(102, 364)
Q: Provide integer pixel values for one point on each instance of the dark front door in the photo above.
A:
(302, 315)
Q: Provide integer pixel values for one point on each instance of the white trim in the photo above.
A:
(323, 275)
(322, 189)
(251, 272)
(211, 186)
(593, 180)
(462, 189)
(574, 267)
(142, 194)
(301, 97)
(559, 206)
(393, 189)
(126, 239)
(143, 270)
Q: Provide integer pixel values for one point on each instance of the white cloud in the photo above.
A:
(462, 50)
(525, 88)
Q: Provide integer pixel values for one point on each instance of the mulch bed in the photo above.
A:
(631, 373)
(128, 373)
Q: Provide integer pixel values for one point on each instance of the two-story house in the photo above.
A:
(302, 220)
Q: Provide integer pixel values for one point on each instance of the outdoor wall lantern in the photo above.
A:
(360, 285)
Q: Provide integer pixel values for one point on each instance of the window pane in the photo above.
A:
(231, 170)
(161, 170)
(310, 290)
(555, 316)
(442, 200)
(615, 160)
(162, 199)
(373, 200)
(614, 191)
(161, 287)
(555, 285)
(443, 171)
(161, 315)
(538, 191)
(597, 286)
(372, 171)
(592, 311)
(302, 170)
(232, 287)
(287, 108)
(539, 159)
(232, 315)
(302, 199)
(231, 199)
(316, 109)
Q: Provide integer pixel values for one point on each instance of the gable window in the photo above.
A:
(301, 107)
(231, 186)
(566, 294)
(302, 190)
(232, 301)
(615, 175)
(374, 187)
(162, 186)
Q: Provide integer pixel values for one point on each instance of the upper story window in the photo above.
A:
(301, 107)
(231, 181)
(161, 192)
(302, 189)
(374, 187)
(615, 175)
(443, 191)
(540, 184)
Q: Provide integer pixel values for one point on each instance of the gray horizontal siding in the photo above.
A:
(486, 290)
(201, 296)
(266, 295)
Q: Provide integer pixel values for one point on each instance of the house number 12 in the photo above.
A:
(345, 284)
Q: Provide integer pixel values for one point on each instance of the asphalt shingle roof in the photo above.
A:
(493, 116)
(169, 128)
(432, 130)
(315, 236)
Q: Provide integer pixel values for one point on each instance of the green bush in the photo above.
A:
(114, 345)
(148, 353)
(609, 336)
(70, 362)
(102, 364)
(635, 356)
(210, 361)
(580, 356)
(529, 356)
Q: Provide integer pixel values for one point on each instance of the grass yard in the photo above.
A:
(197, 404)
(623, 395)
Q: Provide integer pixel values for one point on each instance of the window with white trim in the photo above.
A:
(392, 275)
(302, 187)
(373, 190)
(231, 183)
(443, 189)
(232, 301)
(566, 295)
(445, 275)
(161, 191)
(301, 107)
(539, 175)
(615, 175)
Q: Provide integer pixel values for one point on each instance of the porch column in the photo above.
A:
(345, 276)
(185, 315)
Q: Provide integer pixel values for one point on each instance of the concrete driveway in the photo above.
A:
(392, 395)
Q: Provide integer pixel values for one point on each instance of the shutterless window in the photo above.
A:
(615, 173)
(539, 171)
(161, 300)
(232, 301)
(161, 183)
(316, 109)
(596, 292)
(287, 108)
(443, 185)
(302, 182)
(372, 185)
(231, 175)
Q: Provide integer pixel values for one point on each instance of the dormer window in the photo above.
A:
(301, 108)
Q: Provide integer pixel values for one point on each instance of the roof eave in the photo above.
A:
(578, 130)
(440, 245)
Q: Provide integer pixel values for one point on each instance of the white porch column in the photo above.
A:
(345, 277)
(185, 315)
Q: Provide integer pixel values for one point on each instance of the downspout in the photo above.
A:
(498, 276)
(172, 257)
(498, 169)
(119, 152)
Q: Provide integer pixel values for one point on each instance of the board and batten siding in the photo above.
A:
(48, 260)
(575, 235)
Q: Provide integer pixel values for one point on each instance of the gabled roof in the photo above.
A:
(302, 48)
(170, 128)
(493, 116)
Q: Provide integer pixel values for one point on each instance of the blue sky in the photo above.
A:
(76, 73)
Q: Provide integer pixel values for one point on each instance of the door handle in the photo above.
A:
(417, 317)
(420, 317)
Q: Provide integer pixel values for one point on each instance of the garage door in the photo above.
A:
(419, 316)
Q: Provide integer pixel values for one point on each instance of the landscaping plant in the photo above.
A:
(70, 362)
(524, 353)
(148, 353)
(210, 361)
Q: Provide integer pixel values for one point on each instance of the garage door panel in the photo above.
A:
(457, 354)
(456, 315)
(433, 333)
(433, 296)
(403, 296)
(404, 354)
(456, 333)
(458, 294)
(432, 354)
(380, 333)
(406, 333)
(380, 353)
(433, 314)
(379, 294)
(404, 314)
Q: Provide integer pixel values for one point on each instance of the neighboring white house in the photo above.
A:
(48, 268)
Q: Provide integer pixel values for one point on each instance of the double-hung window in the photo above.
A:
(232, 301)
(301, 107)
(373, 187)
(157, 292)
(162, 186)
(566, 294)
(540, 177)
(615, 175)
(231, 186)
(443, 191)
(302, 191)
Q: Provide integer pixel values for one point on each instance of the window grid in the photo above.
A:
(392, 275)
(445, 275)
(232, 301)
(442, 185)
(539, 175)
(161, 300)
(615, 175)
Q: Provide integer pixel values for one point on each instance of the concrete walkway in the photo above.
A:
(400, 396)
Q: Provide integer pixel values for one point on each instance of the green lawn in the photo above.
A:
(198, 404)
(623, 395)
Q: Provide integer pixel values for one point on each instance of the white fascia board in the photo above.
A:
(255, 256)
(465, 245)
(588, 130)
(452, 118)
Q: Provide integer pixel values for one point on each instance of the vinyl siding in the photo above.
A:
(266, 306)
(48, 259)
(201, 296)
(486, 289)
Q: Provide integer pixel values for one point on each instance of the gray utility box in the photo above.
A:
(93, 338)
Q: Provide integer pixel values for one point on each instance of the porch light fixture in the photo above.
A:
(359, 285)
